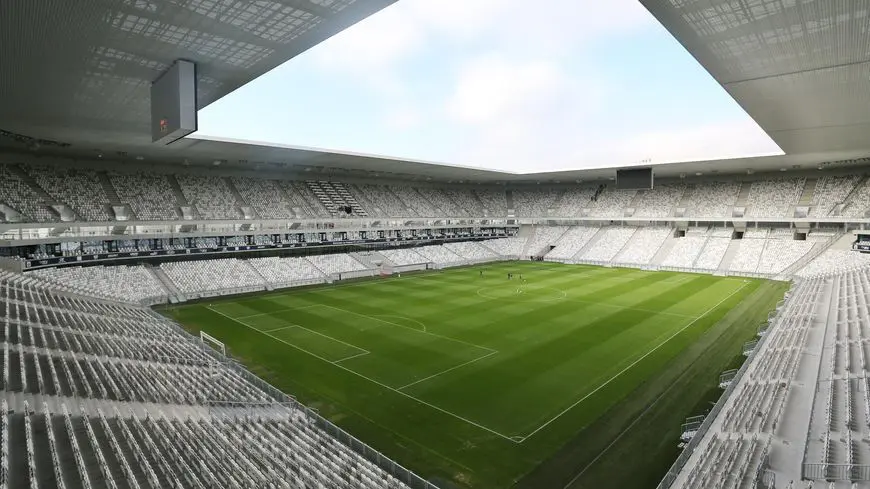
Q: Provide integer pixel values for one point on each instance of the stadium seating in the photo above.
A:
(336, 264)
(471, 250)
(773, 198)
(210, 195)
(659, 201)
(859, 202)
(267, 197)
(124, 283)
(643, 246)
(493, 201)
(748, 255)
(107, 395)
(213, 277)
(79, 188)
(712, 253)
(608, 244)
(507, 248)
(834, 261)
(20, 196)
(534, 203)
(404, 257)
(286, 272)
(714, 199)
(612, 203)
(685, 251)
(440, 255)
(831, 191)
(573, 201)
(571, 243)
(149, 195)
(543, 237)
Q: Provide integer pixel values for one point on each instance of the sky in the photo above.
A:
(509, 85)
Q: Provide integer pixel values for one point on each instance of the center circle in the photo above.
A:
(522, 293)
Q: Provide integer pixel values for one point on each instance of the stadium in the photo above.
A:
(198, 312)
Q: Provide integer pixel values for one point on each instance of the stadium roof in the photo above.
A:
(79, 71)
(76, 77)
(801, 69)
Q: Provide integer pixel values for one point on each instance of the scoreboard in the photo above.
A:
(173, 103)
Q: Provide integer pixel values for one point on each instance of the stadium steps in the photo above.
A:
(809, 190)
(589, 244)
(663, 250)
(533, 230)
(108, 188)
(369, 258)
(175, 295)
(743, 195)
(509, 199)
(865, 180)
(701, 253)
(180, 199)
(246, 208)
(364, 201)
(730, 253)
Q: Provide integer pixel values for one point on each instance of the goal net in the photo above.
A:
(386, 270)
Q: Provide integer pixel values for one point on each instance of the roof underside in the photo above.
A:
(800, 68)
(76, 76)
(79, 71)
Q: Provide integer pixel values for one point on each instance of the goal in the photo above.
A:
(386, 270)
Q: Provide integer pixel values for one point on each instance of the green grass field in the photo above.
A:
(487, 382)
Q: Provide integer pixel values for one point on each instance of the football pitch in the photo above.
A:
(571, 376)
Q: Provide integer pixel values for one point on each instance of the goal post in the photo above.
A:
(386, 270)
(212, 342)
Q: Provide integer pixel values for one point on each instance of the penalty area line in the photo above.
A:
(385, 386)
(608, 381)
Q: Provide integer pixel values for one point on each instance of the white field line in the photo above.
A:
(572, 406)
(412, 329)
(385, 386)
(279, 329)
(333, 339)
(448, 370)
(277, 310)
(364, 352)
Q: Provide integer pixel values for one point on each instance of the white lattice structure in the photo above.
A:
(465, 201)
(213, 276)
(210, 195)
(773, 198)
(831, 191)
(124, 283)
(607, 244)
(685, 251)
(79, 188)
(659, 201)
(266, 197)
(20, 196)
(304, 198)
(714, 199)
(149, 195)
(414, 201)
(643, 246)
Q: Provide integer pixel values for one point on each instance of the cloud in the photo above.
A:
(403, 118)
